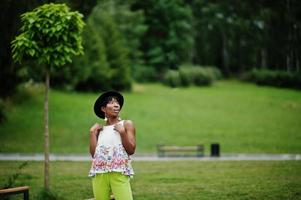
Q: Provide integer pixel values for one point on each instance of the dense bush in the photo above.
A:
(172, 78)
(274, 78)
(185, 76)
(144, 74)
(192, 75)
(214, 72)
(201, 76)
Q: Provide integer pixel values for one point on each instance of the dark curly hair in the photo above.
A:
(109, 99)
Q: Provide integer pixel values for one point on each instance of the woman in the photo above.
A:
(110, 147)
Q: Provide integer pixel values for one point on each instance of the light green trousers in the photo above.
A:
(116, 182)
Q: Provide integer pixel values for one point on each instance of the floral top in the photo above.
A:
(110, 155)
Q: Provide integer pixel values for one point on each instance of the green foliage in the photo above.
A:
(23, 93)
(192, 75)
(2, 111)
(106, 60)
(10, 23)
(48, 195)
(213, 72)
(172, 78)
(144, 74)
(132, 27)
(51, 34)
(200, 76)
(11, 180)
(186, 76)
(237, 36)
(93, 70)
(169, 38)
(162, 34)
(274, 78)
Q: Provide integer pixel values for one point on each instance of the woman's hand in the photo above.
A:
(120, 128)
(128, 136)
(96, 128)
(94, 131)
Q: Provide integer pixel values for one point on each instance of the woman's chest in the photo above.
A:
(109, 137)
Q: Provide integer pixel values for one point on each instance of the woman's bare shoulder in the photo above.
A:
(128, 123)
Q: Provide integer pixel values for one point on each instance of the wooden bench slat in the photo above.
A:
(14, 190)
(178, 148)
(162, 149)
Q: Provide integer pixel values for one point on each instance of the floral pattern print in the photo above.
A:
(111, 159)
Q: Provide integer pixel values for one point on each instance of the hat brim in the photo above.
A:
(101, 99)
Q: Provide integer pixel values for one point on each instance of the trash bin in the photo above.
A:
(215, 150)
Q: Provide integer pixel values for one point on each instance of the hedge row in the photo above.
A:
(188, 75)
(274, 78)
(144, 74)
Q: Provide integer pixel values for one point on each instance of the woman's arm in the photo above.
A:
(128, 136)
(94, 131)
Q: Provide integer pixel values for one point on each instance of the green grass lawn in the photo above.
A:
(242, 117)
(175, 180)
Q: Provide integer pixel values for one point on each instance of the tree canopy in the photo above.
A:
(153, 37)
(51, 34)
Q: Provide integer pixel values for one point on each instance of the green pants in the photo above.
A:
(116, 182)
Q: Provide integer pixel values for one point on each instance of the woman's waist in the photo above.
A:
(111, 150)
(111, 159)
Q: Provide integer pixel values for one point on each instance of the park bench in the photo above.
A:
(16, 190)
(168, 150)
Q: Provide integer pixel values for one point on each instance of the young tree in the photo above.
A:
(50, 34)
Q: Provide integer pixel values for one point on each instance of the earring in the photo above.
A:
(105, 119)
(119, 118)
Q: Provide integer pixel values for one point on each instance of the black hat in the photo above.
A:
(100, 101)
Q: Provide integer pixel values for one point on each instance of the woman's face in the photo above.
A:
(112, 109)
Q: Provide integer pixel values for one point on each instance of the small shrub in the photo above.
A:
(10, 182)
(144, 74)
(48, 195)
(172, 78)
(192, 75)
(22, 94)
(201, 77)
(197, 75)
(273, 78)
(186, 76)
(214, 72)
(26, 91)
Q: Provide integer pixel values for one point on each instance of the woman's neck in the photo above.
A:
(112, 121)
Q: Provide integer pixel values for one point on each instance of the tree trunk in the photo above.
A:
(46, 142)
(297, 65)
(288, 62)
(289, 53)
(263, 58)
(225, 54)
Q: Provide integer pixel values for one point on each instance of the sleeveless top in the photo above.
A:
(110, 155)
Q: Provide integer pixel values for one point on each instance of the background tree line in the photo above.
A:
(144, 40)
